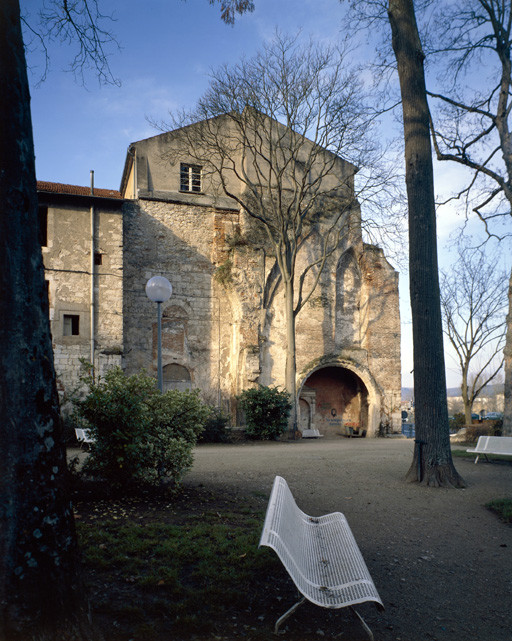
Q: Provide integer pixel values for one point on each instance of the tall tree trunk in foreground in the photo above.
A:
(432, 463)
(507, 416)
(291, 358)
(40, 594)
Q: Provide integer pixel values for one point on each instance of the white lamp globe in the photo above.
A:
(158, 289)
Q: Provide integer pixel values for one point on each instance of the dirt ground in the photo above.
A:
(442, 563)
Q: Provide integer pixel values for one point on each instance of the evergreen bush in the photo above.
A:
(141, 436)
(215, 429)
(457, 422)
(266, 412)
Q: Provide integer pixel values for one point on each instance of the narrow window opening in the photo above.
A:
(98, 258)
(71, 325)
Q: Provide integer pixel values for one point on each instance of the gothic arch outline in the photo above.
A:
(348, 299)
(176, 309)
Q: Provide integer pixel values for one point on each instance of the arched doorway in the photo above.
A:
(341, 401)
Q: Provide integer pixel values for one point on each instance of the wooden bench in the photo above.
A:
(319, 553)
(83, 436)
(498, 445)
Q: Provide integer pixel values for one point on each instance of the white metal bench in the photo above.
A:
(319, 553)
(83, 436)
(499, 445)
(311, 433)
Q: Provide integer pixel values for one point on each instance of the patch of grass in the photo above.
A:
(185, 575)
(471, 455)
(462, 453)
(502, 507)
(260, 495)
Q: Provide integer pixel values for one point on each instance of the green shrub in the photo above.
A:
(224, 273)
(141, 436)
(473, 432)
(215, 428)
(266, 412)
(457, 422)
(497, 427)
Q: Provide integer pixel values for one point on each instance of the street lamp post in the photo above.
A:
(159, 290)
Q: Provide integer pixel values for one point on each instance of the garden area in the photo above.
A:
(180, 560)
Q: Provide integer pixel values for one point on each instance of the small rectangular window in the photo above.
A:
(71, 325)
(98, 258)
(190, 178)
(43, 225)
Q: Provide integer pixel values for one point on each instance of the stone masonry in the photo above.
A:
(82, 245)
(223, 329)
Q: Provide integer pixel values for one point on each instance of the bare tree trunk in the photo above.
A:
(432, 463)
(40, 592)
(465, 397)
(291, 363)
(467, 411)
(507, 413)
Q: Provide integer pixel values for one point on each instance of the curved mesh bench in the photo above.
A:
(83, 436)
(498, 445)
(319, 553)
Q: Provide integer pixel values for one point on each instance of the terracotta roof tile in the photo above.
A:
(76, 190)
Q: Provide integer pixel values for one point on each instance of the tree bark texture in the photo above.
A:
(468, 405)
(40, 593)
(432, 463)
(291, 364)
(507, 414)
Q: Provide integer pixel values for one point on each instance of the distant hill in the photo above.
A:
(407, 393)
(490, 390)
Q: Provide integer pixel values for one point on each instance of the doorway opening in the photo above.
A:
(335, 401)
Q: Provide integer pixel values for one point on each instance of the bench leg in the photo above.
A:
(476, 460)
(363, 622)
(288, 613)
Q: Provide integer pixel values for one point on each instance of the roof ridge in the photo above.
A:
(76, 190)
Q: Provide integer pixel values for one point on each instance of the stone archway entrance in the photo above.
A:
(340, 402)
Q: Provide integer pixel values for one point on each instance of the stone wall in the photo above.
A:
(218, 326)
(176, 242)
(381, 337)
(68, 268)
(224, 328)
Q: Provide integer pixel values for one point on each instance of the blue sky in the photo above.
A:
(167, 49)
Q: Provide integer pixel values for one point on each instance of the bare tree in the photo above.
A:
(84, 25)
(40, 588)
(470, 126)
(277, 133)
(230, 8)
(80, 24)
(474, 304)
(432, 462)
(494, 394)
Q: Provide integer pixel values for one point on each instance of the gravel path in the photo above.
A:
(441, 562)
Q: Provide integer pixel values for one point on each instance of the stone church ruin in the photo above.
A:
(224, 328)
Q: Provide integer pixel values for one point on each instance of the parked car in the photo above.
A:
(493, 416)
